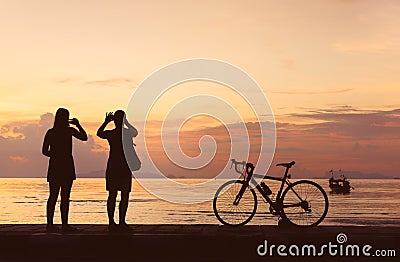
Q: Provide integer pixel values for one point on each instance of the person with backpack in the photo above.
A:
(118, 172)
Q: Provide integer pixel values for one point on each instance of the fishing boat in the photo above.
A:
(340, 185)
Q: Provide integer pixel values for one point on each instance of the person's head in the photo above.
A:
(61, 119)
(119, 118)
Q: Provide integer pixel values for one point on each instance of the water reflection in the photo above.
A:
(373, 202)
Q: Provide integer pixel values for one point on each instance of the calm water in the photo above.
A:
(373, 202)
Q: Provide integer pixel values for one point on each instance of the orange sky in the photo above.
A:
(330, 70)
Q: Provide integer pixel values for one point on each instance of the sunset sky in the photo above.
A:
(330, 70)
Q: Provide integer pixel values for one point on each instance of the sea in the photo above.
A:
(23, 201)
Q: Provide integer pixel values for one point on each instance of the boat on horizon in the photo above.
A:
(340, 185)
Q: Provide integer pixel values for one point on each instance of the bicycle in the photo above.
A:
(303, 203)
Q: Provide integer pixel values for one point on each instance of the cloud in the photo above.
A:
(67, 80)
(114, 82)
(347, 138)
(21, 159)
(365, 141)
(111, 82)
(20, 150)
(4, 129)
(316, 92)
(355, 124)
(335, 109)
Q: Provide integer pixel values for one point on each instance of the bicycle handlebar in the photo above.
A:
(247, 169)
(243, 164)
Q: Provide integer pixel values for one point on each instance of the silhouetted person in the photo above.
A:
(118, 173)
(61, 172)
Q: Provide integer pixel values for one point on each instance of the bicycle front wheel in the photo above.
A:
(231, 207)
(305, 203)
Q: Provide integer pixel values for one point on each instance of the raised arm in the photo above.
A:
(131, 129)
(80, 133)
(46, 145)
(100, 132)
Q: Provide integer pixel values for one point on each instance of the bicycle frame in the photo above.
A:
(265, 196)
(249, 178)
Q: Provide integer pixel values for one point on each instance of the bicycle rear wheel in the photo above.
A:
(229, 213)
(305, 203)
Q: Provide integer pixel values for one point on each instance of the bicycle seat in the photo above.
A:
(287, 165)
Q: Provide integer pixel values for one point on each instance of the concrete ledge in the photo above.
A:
(181, 242)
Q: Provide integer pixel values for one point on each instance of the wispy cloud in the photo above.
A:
(19, 159)
(114, 82)
(312, 92)
(357, 124)
(333, 109)
(67, 80)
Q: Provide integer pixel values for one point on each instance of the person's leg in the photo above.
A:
(112, 198)
(123, 207)
(54, 189)
(64, 207)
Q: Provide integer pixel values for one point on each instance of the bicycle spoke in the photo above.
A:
(312, 201)
(224, 207)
